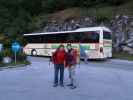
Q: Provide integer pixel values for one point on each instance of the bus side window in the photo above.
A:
(70, 38)
(56, 38)
(73, 37)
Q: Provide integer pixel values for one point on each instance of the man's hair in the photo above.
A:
(60, 46)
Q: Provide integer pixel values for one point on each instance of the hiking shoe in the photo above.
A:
(73, 87)
(69, 84)
(55, 85)
(61, 85)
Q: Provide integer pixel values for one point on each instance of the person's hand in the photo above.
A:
(65, 65)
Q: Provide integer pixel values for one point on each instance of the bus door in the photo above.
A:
(46, 50)
(107, 44)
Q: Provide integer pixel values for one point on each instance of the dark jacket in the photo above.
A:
(70, 58)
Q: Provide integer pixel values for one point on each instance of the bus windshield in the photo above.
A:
(107, 35)
(89, 37)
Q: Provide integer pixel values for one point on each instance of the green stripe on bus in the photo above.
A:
(55, 46)
(108, 46)
(86, 46)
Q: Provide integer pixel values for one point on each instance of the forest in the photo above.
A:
(17, 16)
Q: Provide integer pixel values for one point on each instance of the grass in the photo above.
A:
(123, 56)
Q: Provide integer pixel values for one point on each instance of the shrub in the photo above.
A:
(0, 57)
(6, 53)
(20, 56)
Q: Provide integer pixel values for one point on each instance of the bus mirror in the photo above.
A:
(101, 49)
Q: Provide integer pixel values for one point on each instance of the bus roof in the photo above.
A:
(77, 30)
(94, 29)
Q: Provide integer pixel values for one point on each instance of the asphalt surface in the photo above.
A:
(97, 80)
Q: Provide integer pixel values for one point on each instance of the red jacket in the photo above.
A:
(59, 57)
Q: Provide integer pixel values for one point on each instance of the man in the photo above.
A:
(83, 54)
(71, 65)
(58, 59)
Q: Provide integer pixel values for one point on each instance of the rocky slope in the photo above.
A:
(121, 26)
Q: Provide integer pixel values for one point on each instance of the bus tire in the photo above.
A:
(33, 52)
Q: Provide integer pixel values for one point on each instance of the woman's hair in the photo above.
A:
(69, 44)
(69, 47)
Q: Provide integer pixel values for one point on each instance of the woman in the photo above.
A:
(71, 61)
(58, 59)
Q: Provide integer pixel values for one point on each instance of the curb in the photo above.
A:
(16, 66)
(122, 61)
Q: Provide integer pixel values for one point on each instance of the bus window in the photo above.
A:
(37, 39)
(34, 39)
(70, 38)
(62, 38)
(106, 35)
(86, 37)
(73, 37)
(54, 38)
(89, 37)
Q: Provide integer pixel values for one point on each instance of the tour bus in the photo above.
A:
(91, 42)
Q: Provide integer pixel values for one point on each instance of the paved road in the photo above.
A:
(108, 80)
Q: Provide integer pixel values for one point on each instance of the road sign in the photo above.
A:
(15, 47)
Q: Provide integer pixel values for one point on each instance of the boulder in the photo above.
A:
(7, 60)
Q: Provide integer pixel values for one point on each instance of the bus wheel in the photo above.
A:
(34, 52)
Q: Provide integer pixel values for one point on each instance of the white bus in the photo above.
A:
(92, 42)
